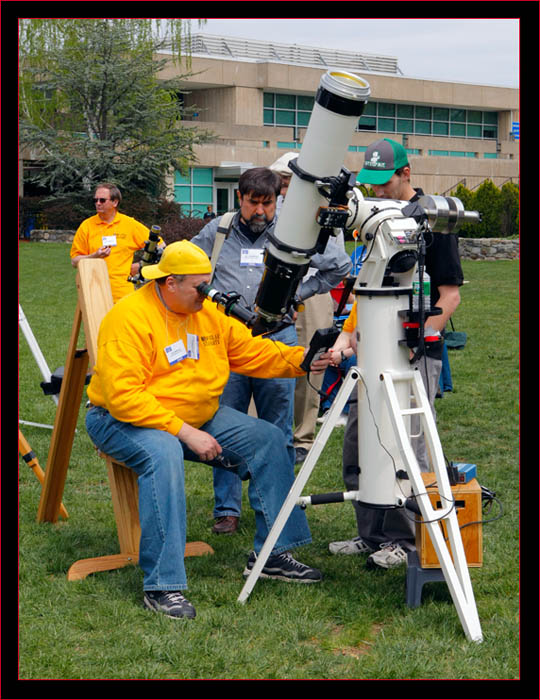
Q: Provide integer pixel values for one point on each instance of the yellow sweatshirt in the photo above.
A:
(139, 382)
(124, 234)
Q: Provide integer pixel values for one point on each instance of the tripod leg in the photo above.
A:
(300, 481)
(64, 426)
(30, 458)
(456, 571)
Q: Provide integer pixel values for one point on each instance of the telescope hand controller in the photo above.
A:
(323, 339)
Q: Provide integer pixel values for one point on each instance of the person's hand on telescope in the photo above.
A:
(205, 446)
(320, 363)
(335, 357)
(344, 347)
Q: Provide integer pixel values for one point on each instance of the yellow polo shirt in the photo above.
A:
(144, 375)
(124, 234)
(349, 324)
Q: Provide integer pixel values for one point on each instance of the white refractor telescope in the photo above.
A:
(321, 200)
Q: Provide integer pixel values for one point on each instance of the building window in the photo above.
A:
(286, 110)
(457, 129)
(388, 117)
(289, 145)
(367, 124)
(405, 126)
(453, 154)
(423, 119)
(440, 129)
(405, 111)
(422, 127)
(194, 192)
(386, 124)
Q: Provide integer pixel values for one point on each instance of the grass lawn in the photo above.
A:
(355, 624)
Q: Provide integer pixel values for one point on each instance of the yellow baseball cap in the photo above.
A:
(179, 258)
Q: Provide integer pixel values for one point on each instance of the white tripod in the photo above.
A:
(39, 358)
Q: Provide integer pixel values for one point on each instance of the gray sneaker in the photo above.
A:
(170, 603)
(390, 555)
(354, 546)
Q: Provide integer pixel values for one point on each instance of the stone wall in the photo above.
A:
(488, 249)
(44, 235)
(469, 248)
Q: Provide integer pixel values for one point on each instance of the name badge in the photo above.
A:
(109, 240)
(176, 352)
(193, 346)
(252, 256)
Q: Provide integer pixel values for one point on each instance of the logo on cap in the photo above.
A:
(374, 161)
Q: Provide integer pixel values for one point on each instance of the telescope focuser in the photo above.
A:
(228, 303)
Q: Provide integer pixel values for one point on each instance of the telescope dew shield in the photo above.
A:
(446, 214)
(340, 101)
(148, 256)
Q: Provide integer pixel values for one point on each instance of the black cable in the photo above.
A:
(415, 496)
(488, 496)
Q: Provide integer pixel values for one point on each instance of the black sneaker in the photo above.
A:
(170, 603)
(284, 568)
(300, 454)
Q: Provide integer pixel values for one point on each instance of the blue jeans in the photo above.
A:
(255, 451)
(333, 379)
(445, 380)
(274, 401)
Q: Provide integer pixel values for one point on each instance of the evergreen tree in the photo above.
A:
(487, 200)
(95, 105)
(467, 199)
(509, 209)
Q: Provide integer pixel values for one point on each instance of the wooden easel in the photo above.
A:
(94, 300)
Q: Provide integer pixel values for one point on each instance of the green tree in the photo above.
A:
(95, 105)
(487, 200)
(509, 209)
(467, 199)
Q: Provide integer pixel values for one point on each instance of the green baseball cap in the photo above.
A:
(381, 160)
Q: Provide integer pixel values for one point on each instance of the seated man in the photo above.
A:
(164, 356)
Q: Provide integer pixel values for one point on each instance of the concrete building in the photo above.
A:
(256, 98)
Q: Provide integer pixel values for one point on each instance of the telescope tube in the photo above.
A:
(339, 103)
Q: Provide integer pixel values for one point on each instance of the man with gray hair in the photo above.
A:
(112, 236)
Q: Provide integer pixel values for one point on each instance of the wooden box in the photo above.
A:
(468, 499)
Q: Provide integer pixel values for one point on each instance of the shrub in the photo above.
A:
(499, 209)
(509, 209)
(68, 213)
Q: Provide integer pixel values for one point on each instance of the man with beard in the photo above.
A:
(239, 268)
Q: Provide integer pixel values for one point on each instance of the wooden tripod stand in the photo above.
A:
(30, 458)
(94, 300)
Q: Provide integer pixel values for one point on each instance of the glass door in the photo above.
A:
(226, 197)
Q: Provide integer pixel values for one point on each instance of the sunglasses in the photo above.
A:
(101, 200)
